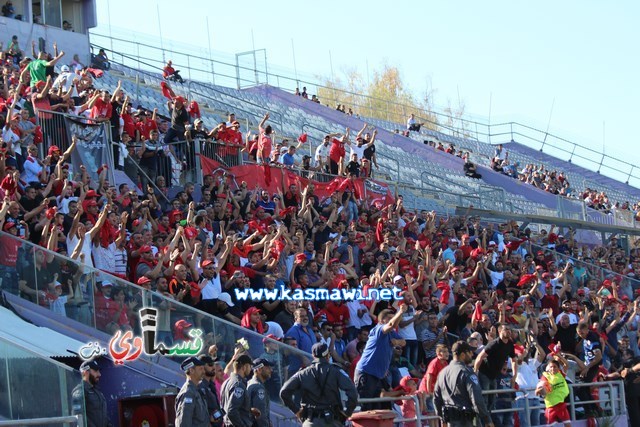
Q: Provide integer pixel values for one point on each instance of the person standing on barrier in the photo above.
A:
(319, 386)
(457, 396)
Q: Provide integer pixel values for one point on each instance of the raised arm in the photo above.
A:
(56, 59)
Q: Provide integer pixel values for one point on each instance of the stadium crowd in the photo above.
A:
(520, 299)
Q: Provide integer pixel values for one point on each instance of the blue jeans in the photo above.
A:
(488, 384)
(531, 417)
(411, 351)
(352, 211)
(503, 419)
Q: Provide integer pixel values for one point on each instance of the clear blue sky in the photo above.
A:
(520, 55)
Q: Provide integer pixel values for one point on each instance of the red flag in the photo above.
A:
(167, 91)
(277, 248)
(254, 225)
(96, 72)
(526, 279)
(477, 312)
(267, 174)
(287, 211)
(446, 292)
(302, 138)
(37, 135)
(379, 234)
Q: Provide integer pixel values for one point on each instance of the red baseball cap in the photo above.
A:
(8, 226)
(144, 249)
(143, 281)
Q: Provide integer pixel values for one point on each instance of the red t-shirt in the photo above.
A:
(434, 368)
(146, 127)
(265, 146)
(337, 150)
(9, 251)
(101, 110)
(129, 125)
(466, 250)
(337, 313)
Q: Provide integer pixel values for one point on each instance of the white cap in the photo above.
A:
(64, 69)
(492, 243)
(397, 278)
(225, 297)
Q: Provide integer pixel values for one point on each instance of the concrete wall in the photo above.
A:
(70, 42)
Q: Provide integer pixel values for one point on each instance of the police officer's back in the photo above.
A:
(457, 396)
(191, 408)
(87, 396)
(234, 397)
(258, 395)
(319, 386)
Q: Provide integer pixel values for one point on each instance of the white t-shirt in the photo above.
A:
(496, 277)
(105, 257)
(354, 320)
(527, 377)
(72, 242)
(212, 289)
(358, 150)
(409, 331)
(275, 329)
(322, 152)
(32, 170)
(10, 137)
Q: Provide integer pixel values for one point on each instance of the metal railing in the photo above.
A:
(86, 307)
(596, 271)
(459, 125)
(612, 400)
(71, 419)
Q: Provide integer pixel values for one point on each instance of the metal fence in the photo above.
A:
(611, 401)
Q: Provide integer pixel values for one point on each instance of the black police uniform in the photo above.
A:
(208, 390)
(235, 402)
(191, 409)
(259, 398)
(94, 403)
(320, 385)
(457, 396)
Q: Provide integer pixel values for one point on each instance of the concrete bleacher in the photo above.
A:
(412, 172)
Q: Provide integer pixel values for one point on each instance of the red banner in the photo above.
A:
(272, 178)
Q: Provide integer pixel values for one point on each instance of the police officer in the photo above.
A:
(457, 395)
(234, 397)
(94, 403)
(319, 386)
(191, 408)
(262, 370)
(208, 389)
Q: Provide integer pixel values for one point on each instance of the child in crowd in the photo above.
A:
(553, 387)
